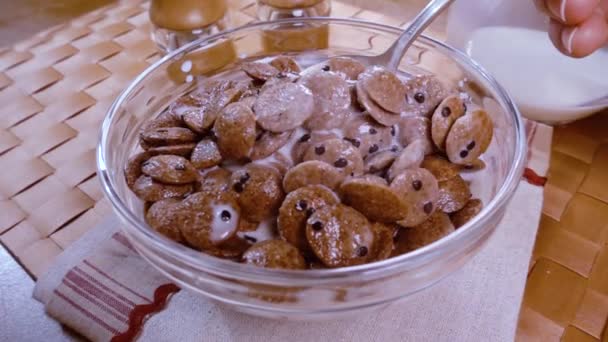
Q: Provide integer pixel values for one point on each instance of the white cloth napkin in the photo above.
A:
(99, 287)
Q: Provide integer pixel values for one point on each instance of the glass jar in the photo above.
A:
(310, 294)
(176, 23)
(282, 9)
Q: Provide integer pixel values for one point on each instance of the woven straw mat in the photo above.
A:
(56, 87)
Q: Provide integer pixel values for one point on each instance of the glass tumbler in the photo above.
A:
(177, 23)
(283, 9)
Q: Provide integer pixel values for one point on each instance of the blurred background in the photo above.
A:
(20, 19)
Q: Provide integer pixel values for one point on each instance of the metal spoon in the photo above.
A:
(391, 58)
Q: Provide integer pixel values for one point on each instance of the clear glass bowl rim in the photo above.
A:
(231, 269)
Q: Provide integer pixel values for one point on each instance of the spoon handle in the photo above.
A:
(394, 54)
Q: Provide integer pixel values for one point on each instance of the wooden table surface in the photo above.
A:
(567, 291)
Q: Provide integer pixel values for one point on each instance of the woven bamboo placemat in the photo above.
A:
(567, 291)
(56, 87)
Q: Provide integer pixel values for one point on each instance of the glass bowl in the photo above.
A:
(311, 294)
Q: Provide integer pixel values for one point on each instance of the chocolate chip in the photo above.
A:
(341, 163)
(301, 205)
(310, 211)
(225, 215)
(354, 142)
(362, 251)
(419, 97)
(326, 68)
(244, 178)
(317, 226)
(250, 238)
(319, 150)
(395, 148)
(464, 153)
(446, 111)
(428, 207)
(179, 167)
(393, 131)
(417, 185)
(304, 138)
(372, 131)
(238, 187)
(471, 145)
(374, 148)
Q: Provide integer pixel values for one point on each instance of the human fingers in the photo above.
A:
(568, 12)
(580, 40)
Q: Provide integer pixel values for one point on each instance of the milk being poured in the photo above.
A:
(544, 83)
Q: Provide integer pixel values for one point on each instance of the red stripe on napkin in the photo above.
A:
(140, 312)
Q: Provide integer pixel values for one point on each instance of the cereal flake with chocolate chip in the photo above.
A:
(283, 107)
(376, 201)
(424, 93)
(453, 194)
(165, 217)
(286, 64)
(375, 111)
(469, 137)
(149, 190)
(206, 154)
(385, 89)
(305, 140)
(367, 135)
(167, 136)
(350, 67)
(259, 71)
(419, 189)
(183, 150)
(331, 100)
(409, 158)
(340, 236)
(412, 128)
(383, 241)
(235, 131)
(440, 167)
(434, 228)
(448, 111)
(209, 219)
(170, 169)
(338, 153)
(164, 120)
(464, 215)
(268, 143)
(312, 172)
(380, 161)
(297, 207)
(259, 191)
(275, 254)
